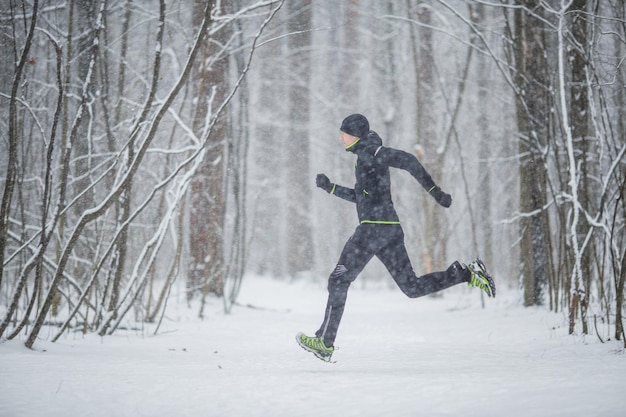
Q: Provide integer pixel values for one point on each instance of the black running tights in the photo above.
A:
(386, 242)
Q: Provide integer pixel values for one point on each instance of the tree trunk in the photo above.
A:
(533, 110)
(427, 139)
(300, 251)
(206, 244)
(11, 175)
(123, 205)
(579, 122)
(485, 202)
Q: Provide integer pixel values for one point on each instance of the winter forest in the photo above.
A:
(147, 145)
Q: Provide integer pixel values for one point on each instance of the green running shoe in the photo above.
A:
(481, 278)
(316, 346)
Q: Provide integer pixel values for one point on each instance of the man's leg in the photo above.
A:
(397, 262)
(356, 253)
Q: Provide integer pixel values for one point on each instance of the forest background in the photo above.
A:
(145, 143)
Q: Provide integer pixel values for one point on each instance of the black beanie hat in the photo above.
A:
(355, 125)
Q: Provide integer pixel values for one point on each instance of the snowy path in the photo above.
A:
(397, 357)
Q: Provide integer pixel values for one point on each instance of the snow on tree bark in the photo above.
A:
(532, 102)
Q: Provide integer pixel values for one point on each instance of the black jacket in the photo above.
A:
(372, 191)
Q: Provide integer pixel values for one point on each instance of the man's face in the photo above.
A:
(347, 139)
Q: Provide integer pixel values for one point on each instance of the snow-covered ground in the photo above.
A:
(443, 356)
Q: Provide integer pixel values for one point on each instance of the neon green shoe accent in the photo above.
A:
(316, 346)
(480, 278)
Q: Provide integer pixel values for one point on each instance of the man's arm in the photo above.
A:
(408, 162)
(345, 193)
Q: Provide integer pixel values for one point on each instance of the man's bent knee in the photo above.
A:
(338, 283)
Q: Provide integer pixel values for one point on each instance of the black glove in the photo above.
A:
(323, 182)
(442, 198)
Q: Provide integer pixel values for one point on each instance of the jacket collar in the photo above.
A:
(370, 139)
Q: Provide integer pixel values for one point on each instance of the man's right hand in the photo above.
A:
(323, 182)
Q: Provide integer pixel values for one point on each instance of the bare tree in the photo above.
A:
(532, 85)
(210, 81)
(300, 249)
(578, 117)
(139, 147)
(13, 139)
(85, 259)
(427, 137)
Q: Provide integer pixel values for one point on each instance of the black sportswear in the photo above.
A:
(372, 190)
